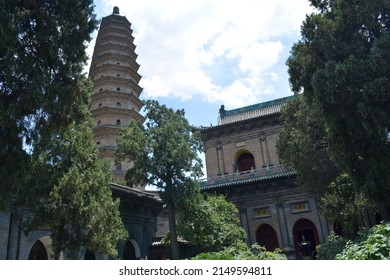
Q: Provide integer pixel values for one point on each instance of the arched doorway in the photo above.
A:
(305, 238)
(129, 251)
(89, 255)
(266, 236)
(38, 251)
(338, 228)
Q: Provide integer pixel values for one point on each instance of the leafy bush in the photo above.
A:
(375, 245)
(241, 252)
(334, 245)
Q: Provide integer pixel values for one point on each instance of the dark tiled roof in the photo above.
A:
(133, 192)
(245, 178)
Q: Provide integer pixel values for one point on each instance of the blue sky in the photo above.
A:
(198, 55)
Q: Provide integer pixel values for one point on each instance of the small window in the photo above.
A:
(98, 143)
(100, 105)
(118, 104)
(101, 89)
(118, 75)
(118, 167)
(118, 63)
(118, 122)
(99, 123)
(118, 88)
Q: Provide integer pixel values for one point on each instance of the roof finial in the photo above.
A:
(115, 10)
(222, 112)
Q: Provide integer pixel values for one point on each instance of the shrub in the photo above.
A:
(241, 252)
(334, 245)
(375, 245)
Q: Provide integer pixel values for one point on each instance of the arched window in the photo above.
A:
(118, 167)
(245, 162)
(38, 252)
(118, 104)
(118, 122)
(99, 123)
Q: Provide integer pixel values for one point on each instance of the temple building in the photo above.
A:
(242, 163)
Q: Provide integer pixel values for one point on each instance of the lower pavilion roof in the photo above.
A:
(246, 177)
(124, 190)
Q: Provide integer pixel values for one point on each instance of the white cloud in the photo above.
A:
(259, 57)
(176, 39)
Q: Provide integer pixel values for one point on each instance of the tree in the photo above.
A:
(79, 205)
(164, 153)
(48, 161)
(302, 145)
(341, 67)
(343, 203)
(210, 223)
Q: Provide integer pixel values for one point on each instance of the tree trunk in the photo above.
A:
(173, 233)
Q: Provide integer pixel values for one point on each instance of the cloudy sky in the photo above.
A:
(198, 55)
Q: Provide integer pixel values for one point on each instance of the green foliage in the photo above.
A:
(77, 203)
(80, 205)
(341, 68)
(48, 161)
(240, 251)
(344, 203)
(42, 54)
(334, 245)
(211, 223)
(164, 153)
(374, 245)
(302, 145)
(336, 133)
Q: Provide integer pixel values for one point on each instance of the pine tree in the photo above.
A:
(164, 153)
(47, 160)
